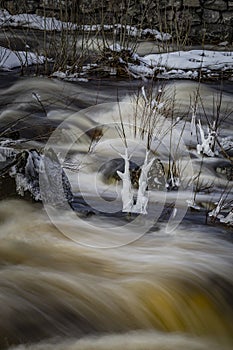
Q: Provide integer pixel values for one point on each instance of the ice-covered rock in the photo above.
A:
(20, 175)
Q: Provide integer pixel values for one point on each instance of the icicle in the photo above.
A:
(207, 144)
(126, 193)
(193, 122)
(142, 198)
(144, 94)
(173, 183)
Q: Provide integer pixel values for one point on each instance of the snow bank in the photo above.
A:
(190, 60)
(173, 65)
(179, 64)
(52, 24)
(169, 65)
(12, 59)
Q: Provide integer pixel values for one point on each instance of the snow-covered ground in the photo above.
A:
(33, 21)
(171, 65)
(52, 24)
(180, 64)
(168, 65)
(189, 62)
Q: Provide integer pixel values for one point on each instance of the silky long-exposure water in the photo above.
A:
(109, 280)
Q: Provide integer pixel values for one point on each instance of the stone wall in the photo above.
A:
(198, 20)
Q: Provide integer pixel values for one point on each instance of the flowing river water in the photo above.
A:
(107, 281)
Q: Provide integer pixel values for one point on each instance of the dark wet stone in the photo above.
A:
(110, 168)
(156, 174)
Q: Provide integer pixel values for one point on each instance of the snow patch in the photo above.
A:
(12, 59)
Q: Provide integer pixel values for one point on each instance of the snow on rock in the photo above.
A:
(11, 59)
(180, 64)
(178, 74)
(140, 71)
(69, 76)
(34, 21)
(227, 143)
(217, 212)
(26, 174)
(192, 205)
(186, 64)
(52, 24)
(156, 34)
(26, 167)
(193, 59)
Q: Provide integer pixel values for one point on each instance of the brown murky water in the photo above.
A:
(162, 291)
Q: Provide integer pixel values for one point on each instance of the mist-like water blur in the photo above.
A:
(60, 290)
(175, 287)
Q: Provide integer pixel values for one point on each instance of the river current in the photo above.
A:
(109, 281)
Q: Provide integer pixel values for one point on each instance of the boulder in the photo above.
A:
(21, 173)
